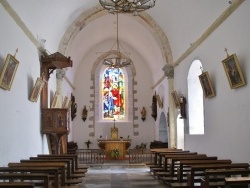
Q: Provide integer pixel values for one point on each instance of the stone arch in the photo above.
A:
(145, 19)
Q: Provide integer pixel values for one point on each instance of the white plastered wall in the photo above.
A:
(227, 114)
(20, 118)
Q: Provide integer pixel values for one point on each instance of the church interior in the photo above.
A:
(173, 74)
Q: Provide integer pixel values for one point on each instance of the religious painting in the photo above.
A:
(233, 71)
(8, 72)
(113, 94)
(176, 99)
(206, 85)
(37, 90)
(55, 100)
(65, 102)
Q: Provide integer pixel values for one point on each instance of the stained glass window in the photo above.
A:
(113, 94)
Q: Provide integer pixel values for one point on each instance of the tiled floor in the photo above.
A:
(119, 175)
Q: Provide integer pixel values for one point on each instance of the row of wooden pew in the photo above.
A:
(47, 171)
(178, 168)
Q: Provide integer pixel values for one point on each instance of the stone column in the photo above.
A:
(60, 73)
(169, 73)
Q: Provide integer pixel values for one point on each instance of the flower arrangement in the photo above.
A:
(114, 153)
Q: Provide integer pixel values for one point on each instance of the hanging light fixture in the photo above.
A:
(130, 6)
(117, 60)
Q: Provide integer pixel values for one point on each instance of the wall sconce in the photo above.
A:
(143, 113)
(84, 113)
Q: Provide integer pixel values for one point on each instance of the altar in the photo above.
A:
(115, 148)
(110, 146)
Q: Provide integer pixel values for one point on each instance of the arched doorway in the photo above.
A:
(163, 128)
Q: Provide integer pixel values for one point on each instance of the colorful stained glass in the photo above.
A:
(113, 94)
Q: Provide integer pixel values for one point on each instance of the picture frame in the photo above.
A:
(160, 101)
(233, 71)
(65, 102)
(55, 100)
(37, 90)
(9, 71)
(206, 84)
(176, 99)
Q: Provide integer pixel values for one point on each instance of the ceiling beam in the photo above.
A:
(235, 4)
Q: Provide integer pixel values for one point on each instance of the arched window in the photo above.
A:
(113, 94)
(195, 99)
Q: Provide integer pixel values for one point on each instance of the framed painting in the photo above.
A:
(8, 72)
(206, 85)
(65, 102)
(176, 99)
(37, 90)
(233, 71)
(55, 100)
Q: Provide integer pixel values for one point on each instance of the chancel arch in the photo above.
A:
(163, 128)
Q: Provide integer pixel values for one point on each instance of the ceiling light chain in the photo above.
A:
(117, 61)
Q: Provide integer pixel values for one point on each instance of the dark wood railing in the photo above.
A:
(140, 156)
(98, 156)
(91, 156)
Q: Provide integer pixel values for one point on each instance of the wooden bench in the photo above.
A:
(162, 164)
(33, 177)
(16, 184)
(172, 159)
(70, 164)
(171, 174)
(61, 166)
(157, 151)
(52, 171)
(194, 176)
(203, 167)
(71, 179)
(221, 174)
(190, 163)
(237, 181)
(75, 161)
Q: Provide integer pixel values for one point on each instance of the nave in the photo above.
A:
(119, 174)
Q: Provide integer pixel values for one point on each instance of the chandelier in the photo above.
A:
(118, 60)
(130, 6)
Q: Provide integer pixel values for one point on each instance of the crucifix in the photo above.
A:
(114, 132)
(226, 52)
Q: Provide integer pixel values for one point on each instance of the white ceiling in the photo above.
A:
(182, 21)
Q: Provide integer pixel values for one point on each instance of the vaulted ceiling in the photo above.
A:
(80, 27)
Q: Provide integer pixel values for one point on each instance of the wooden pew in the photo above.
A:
(171, 174)
(190, 163)
(71, 178)
(237, 181)
(203, 167)
(161, 164)
(221, 174)
(61, 166)
(16, 184)
(77, 169)
(70, 164)
(52, 171)
(157, 151)
(32, 177)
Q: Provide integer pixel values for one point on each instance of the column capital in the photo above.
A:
(168, 71)
(60, 73)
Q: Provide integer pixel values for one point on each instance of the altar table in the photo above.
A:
(120, 145)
